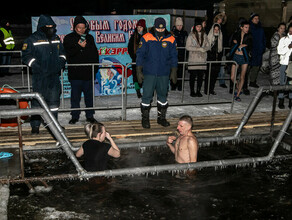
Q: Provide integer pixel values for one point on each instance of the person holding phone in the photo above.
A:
(80, 48)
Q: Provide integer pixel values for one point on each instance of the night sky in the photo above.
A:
(22, 11)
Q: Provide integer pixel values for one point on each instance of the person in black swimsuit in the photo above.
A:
(96, 152)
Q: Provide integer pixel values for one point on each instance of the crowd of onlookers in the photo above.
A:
(247, 45)
(206, 43)
(203, 44)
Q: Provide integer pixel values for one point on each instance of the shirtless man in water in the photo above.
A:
(186, 145)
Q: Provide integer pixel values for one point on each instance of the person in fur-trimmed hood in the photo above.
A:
(133, 45)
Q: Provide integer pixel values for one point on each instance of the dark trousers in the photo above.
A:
(196, 74)
(77, 87)
(5, 59)
(215, 69)
(138, 86)
(179, 76)
(152, 83)
(49, 87)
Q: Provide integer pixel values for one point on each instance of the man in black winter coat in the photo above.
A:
(43, 52)
(80, 48)
(181, 37)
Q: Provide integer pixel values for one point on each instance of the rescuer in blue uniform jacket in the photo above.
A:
(44, 53)
(156, 62)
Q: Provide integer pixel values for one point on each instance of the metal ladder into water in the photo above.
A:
(65, 144)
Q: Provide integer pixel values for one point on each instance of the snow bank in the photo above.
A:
(4, 196)
(52, 213)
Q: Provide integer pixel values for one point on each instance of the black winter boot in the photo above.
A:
(161, 113)
(281, 103)
(145, 115)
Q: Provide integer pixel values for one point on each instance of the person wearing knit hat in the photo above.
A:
(159, 23)
(133, 45)
(141, 23)
(156, 63)
(80, 48)
(179, 21)
(180, 36)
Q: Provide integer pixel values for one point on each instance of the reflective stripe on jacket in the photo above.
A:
(45, 56)
(8, 39)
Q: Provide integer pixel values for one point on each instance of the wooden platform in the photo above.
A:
(133, 128)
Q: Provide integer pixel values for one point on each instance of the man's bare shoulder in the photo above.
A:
(192, 140)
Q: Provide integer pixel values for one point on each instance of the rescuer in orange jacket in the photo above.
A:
(156, 62)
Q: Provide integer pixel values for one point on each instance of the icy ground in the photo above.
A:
(199, 107)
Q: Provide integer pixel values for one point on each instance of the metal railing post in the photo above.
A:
(65, 144)
(62, 89)
(249, 111)
(92, 81)
(48, 117)
(209, 79)
(124, 114)
(281, 134)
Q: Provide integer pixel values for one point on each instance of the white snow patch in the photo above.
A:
(4, 196)
(40, 189)
(52, 213)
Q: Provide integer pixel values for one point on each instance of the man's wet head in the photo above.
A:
(185, 125)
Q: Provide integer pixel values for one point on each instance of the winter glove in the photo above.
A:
(140, 75)
(173, 75)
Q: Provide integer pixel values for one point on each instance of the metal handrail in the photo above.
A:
(183, 80)
(124, 93)
(216, 163)
(107, 65)
(65, 144)
(48, 117)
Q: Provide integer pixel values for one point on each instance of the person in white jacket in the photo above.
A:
(284, 50)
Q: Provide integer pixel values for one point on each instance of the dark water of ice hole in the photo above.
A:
(261, 192)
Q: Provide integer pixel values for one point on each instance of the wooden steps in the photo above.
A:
(133, 128)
